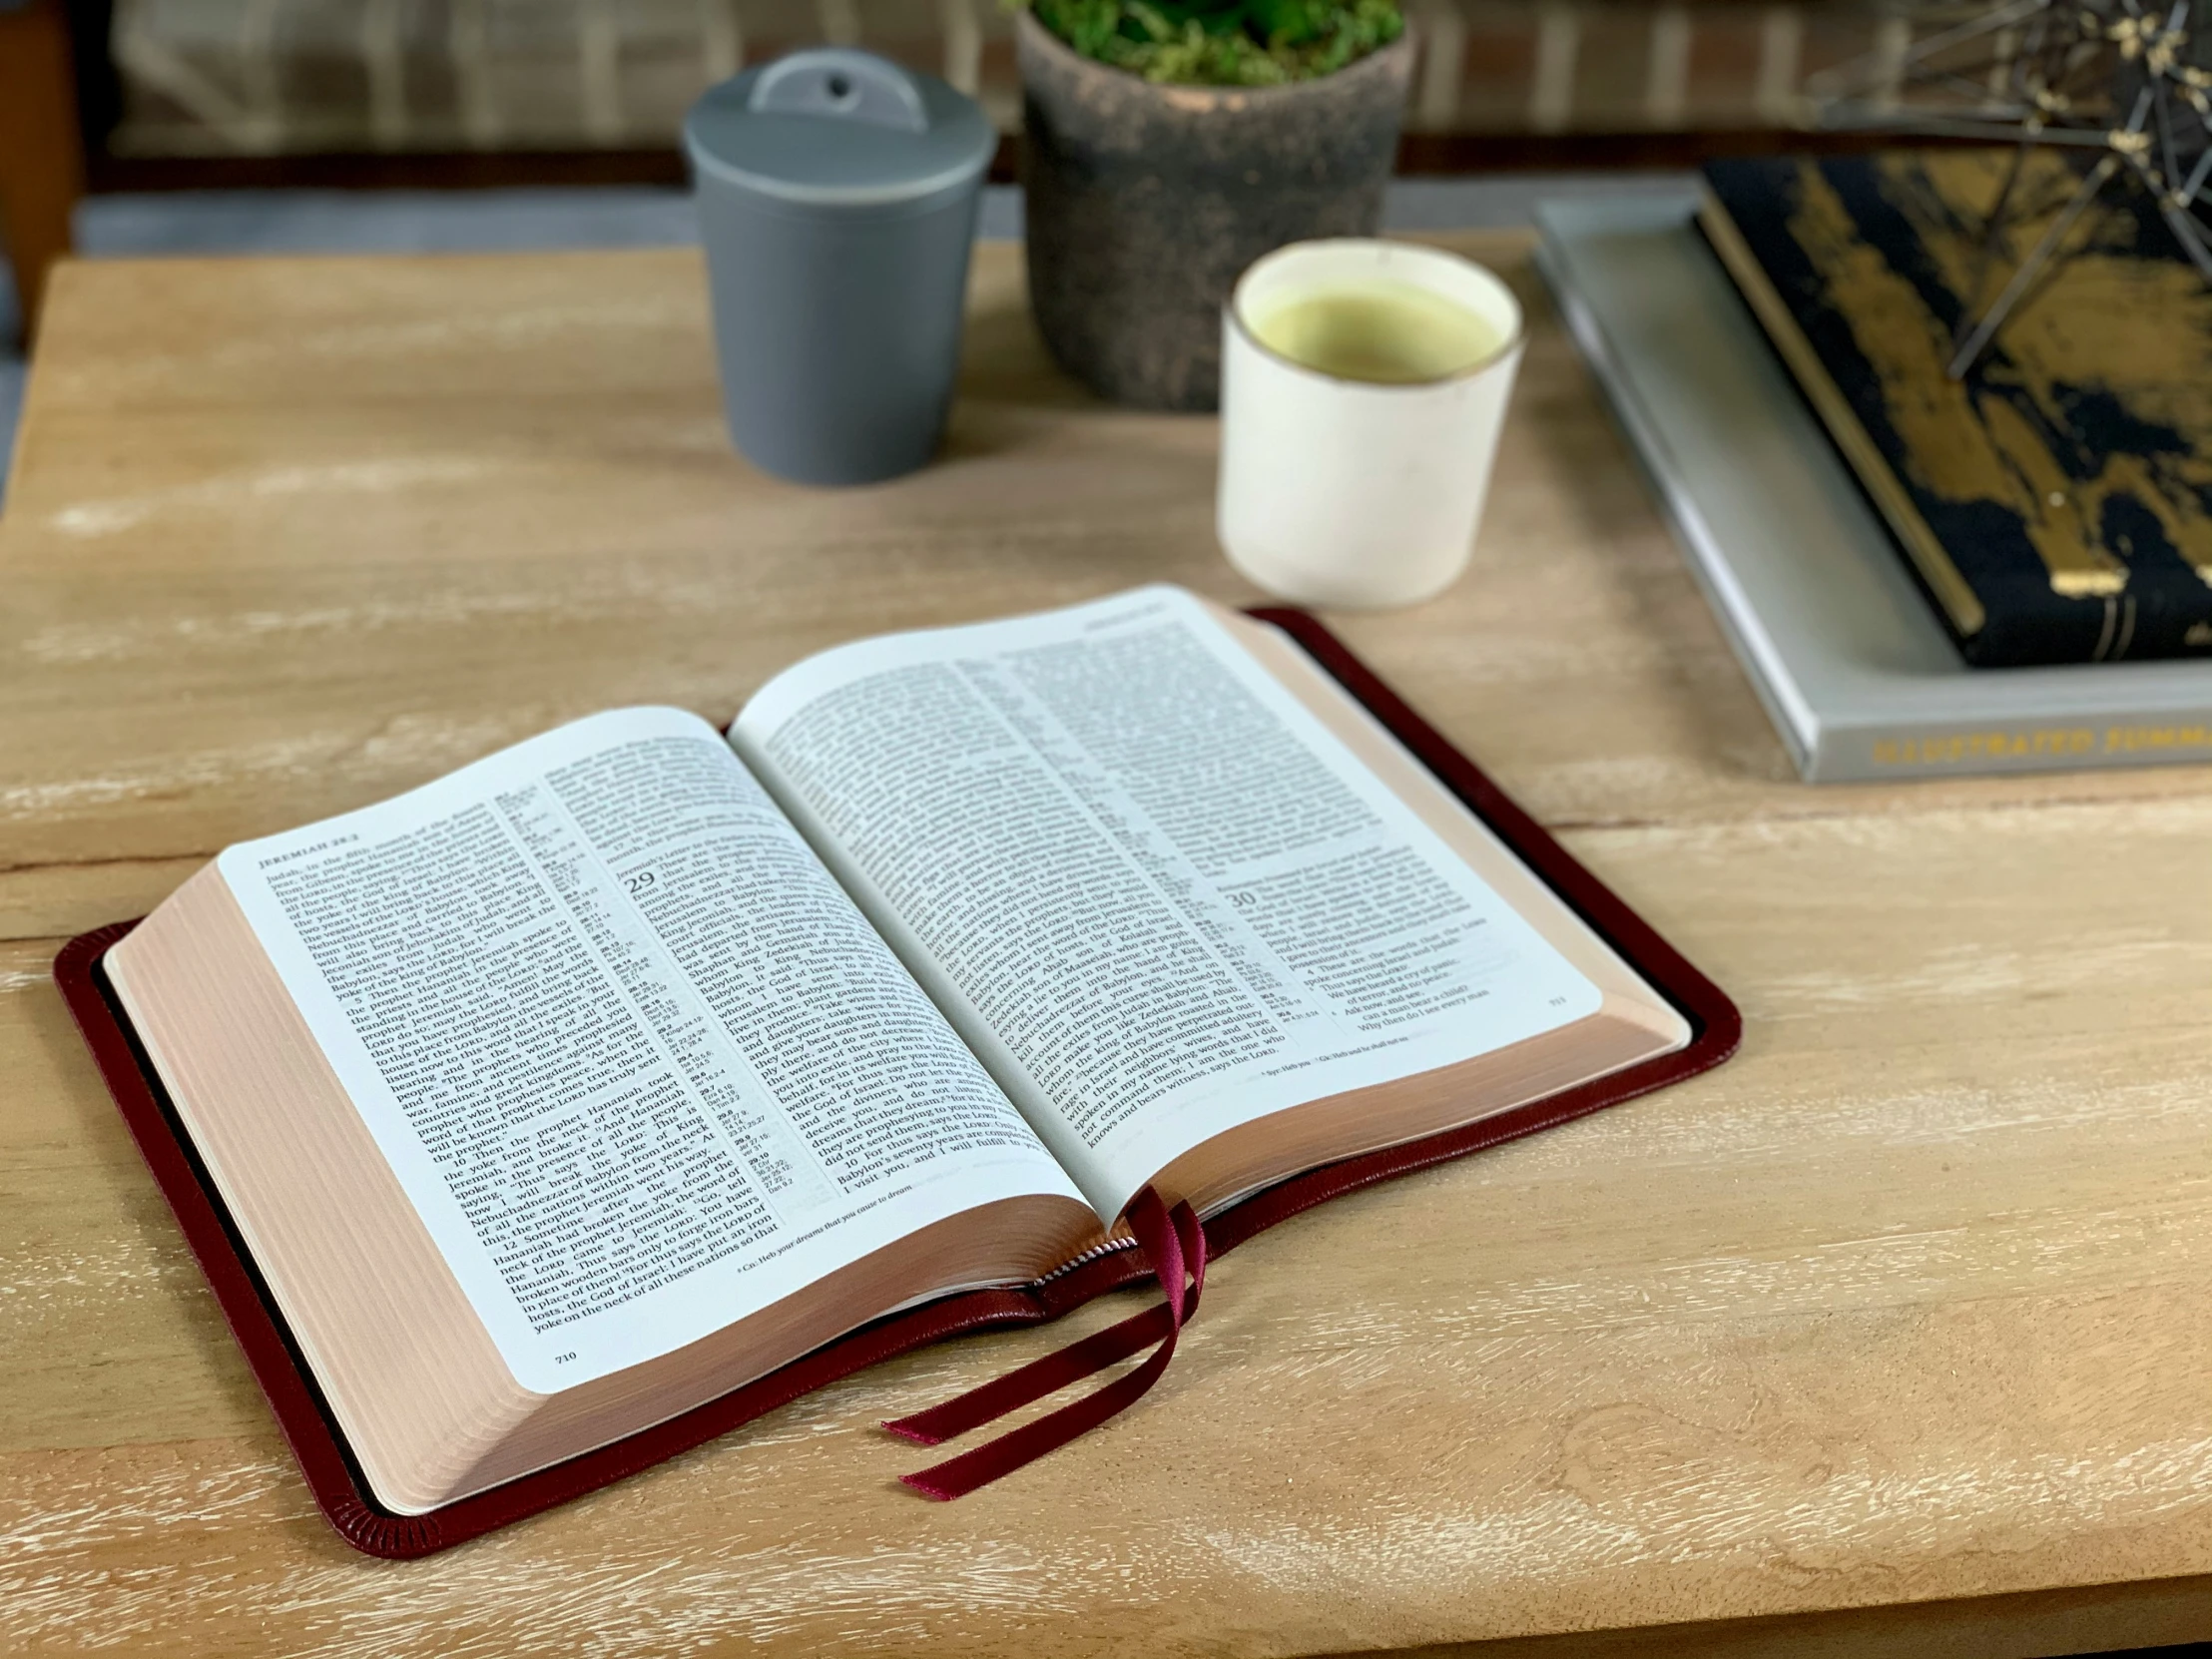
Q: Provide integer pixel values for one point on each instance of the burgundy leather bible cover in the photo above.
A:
(314, 1432)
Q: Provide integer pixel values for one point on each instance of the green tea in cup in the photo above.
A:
(1375, 330)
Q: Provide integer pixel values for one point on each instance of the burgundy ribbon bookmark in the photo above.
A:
(1176, 1245)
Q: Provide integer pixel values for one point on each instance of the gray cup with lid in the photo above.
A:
(837, 201)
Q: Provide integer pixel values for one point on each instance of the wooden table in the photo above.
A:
(1895, 1330)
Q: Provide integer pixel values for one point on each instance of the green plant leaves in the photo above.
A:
(1222, 42)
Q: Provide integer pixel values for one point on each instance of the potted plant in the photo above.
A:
(1170, 143)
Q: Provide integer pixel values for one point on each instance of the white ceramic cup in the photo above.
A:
(1354, 493)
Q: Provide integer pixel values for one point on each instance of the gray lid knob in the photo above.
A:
(843, 85)
(838, 131)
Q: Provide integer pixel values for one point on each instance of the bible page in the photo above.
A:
(632, 1054)
(1154, 891)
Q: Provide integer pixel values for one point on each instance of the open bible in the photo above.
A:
(621, 1068)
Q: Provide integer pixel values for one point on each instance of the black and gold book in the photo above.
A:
(2056, 502)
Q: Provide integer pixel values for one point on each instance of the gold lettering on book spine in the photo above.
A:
(1950, 749)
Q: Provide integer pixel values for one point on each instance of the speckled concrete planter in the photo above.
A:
(1146, 203)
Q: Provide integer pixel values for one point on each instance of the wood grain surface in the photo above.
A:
(1891, 1335)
